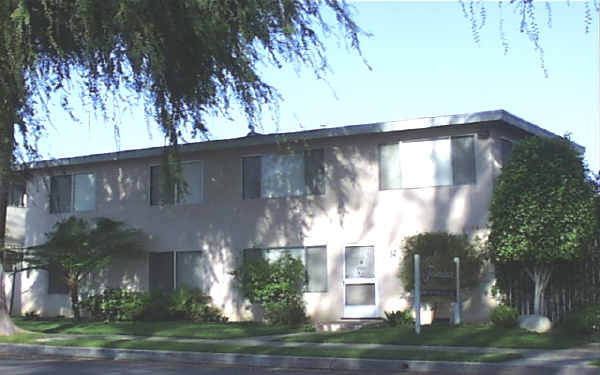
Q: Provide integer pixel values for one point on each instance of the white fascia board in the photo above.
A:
(267, 139)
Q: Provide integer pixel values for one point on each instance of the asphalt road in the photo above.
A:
(11, 364)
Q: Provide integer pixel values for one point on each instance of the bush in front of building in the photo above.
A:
(115, 304)
(505, 316)
(277, 286)
(584, 320)
(399, 318)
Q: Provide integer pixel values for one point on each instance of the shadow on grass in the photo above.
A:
(163, 329)
(447, 335)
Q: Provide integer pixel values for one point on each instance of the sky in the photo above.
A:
(424, 62)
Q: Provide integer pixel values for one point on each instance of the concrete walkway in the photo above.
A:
(534, 361)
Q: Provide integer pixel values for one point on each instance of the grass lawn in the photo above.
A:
(477, 335)
(164, 329)
(271, 350)
(595, 363)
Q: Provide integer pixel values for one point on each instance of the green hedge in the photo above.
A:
(181, 304)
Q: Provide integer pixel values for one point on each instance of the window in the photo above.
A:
(70, 193)
(283, 175)
(175, 269)
(313, 258)
(163, 192)
(56, 280)
(438, 162)
(505, 150)
(16, 195)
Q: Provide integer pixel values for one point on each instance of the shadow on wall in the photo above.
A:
(353, 210)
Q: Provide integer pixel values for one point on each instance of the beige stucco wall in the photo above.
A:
(352, 212)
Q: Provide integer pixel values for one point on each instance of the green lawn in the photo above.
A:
(271, 350)
(595, 363)
(467, 335)
(164, 329)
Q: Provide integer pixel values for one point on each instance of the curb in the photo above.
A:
(260, 360)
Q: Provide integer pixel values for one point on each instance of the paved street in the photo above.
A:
(18, 364)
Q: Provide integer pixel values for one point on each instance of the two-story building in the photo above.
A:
(342, 199)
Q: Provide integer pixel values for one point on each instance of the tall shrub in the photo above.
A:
(542, 213)
(437, 251)
(276, 286)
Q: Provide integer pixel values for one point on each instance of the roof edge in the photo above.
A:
(349, 130)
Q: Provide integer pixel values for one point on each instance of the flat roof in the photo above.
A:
(265, 139)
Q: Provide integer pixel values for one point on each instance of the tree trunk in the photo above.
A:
(540, 275)
(74, 292)
(7, 327)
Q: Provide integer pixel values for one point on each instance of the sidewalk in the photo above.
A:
(562, 361)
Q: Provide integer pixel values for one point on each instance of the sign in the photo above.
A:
(430, 274)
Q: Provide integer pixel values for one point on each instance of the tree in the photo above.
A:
(77, 248)
(185, 59)
(542, 211)
(528, 20)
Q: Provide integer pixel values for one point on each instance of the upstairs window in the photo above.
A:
(164, 192)
(73, 193)
(283, 175)
(437, 162)
(16, 195)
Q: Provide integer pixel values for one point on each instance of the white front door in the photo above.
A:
(360, 291)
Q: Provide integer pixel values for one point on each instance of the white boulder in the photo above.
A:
(535, 323)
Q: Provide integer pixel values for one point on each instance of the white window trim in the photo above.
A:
(253, 155)
(360, 311)
(175, 201)
(453, 185)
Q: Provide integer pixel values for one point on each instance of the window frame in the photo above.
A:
(176, 200)
(22, 198)
(173, 254)
(304, 249)
(56, 284)
(72, 189)
(306, 192)
(473, 136)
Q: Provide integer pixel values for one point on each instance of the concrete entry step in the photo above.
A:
(346, 324)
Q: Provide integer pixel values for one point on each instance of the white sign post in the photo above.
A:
(457, 309)
(417, 295)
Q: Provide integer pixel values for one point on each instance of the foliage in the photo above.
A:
(181, 304)
(505, 316)
(584, 320)
(78, 247)
(185, 59)
(525, 11)
(193, 305)
(114, 304)
(437, 251)
(399, 318)
(542, 212)
(277, 286)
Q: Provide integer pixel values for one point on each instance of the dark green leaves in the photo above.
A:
(543, 204)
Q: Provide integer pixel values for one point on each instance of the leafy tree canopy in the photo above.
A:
(543, 204)
(77, 247)
(186, 58)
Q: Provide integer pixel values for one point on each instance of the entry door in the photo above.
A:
(360, 292)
